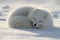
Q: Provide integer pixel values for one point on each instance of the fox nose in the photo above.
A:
(34, 24)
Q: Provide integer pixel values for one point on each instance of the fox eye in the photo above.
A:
(34, 18)
(40, 21)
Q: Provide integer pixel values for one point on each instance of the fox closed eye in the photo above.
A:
(34, 18)
(40, 21)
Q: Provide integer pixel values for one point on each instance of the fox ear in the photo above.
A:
(36, 10)
(45, 16)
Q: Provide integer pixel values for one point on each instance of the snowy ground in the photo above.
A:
(30, 34)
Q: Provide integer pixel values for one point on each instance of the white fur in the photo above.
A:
(26, 17)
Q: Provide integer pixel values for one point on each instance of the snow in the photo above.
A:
(52, 33)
